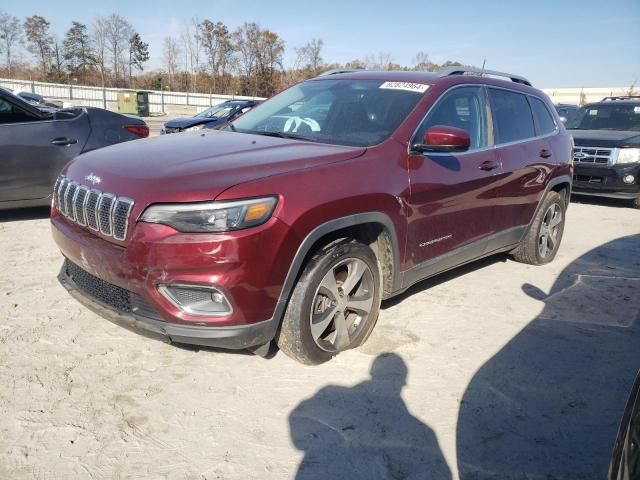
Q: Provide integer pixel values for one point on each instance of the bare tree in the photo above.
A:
(191, 49)
(216, 43)
(170, 54)
(39, 40)
(309, 57)
(421, 61)
(381, 61)
(99, 36)
(10, 35)
(118, 35)
(246, 39)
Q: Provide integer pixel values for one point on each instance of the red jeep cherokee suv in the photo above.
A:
(298, 219)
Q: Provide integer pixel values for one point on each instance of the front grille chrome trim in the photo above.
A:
(594, 156)
(101, 212)
(78, 210)
(106, 226)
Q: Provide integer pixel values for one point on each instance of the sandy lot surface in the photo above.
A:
(496, 370)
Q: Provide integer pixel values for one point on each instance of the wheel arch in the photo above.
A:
(372, 228)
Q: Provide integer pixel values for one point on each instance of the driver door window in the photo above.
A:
(9, 113)
(464, 108)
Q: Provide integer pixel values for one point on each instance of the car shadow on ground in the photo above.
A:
(602, 201)
(22, 214)
(365, 431)
(548, 404)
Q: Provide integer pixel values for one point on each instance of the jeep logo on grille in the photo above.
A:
(93, 178)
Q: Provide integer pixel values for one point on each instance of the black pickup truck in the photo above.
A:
(607, 149)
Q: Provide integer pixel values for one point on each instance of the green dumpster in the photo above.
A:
(134, 102)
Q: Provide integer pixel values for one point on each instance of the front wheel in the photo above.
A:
(542, 241)
(334, 305)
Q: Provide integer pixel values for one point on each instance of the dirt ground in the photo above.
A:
(495, 370)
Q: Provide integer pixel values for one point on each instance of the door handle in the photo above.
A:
(544, 153)
(64, 141)
(489, 165)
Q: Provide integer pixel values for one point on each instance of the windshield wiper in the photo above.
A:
(268, 133)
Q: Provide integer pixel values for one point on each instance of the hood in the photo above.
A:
(606, 138)
(190, 122)
(195, 166)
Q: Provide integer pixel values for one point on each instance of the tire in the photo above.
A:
(542, 241)
(635, 203)
(323, 318)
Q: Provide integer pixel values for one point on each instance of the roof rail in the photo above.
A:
(336, 71)
(621, 97)
(447, 71)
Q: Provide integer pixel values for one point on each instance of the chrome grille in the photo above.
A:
(593, 155)
(105, 208)
(100, 211)
(78, 205)
(68, 199)
(90, 209)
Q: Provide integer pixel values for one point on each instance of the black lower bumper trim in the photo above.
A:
(232, 338)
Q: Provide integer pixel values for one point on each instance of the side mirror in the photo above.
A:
(441, 138)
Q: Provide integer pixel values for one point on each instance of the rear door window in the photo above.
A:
(511, 115)
(544, 120)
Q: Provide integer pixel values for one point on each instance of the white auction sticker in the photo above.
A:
(636, 109)
(408, 86)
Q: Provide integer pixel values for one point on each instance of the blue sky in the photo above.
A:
(555, 43)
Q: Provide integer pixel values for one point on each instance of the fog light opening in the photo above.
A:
(628, 179)
(197, 299)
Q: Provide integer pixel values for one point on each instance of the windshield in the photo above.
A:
(342, 112)
(607, 116)
(217, 111)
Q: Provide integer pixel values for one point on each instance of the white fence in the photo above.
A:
(159, 101)
(108, 97)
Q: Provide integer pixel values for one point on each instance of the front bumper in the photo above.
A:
(606, 181)
(233, 338)
(238, 264)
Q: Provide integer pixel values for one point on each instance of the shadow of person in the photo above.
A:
(366, 431)
(548, 404)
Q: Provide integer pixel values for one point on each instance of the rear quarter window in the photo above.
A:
(512, 116)
(543, 117)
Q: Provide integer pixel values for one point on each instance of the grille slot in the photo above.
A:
(598, 156)
(102, 212)
(62, 187)
(68, 199)
(121, 212)
(91, 206)
(108, 294)
(78, 205)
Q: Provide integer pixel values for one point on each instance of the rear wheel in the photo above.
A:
(334, 305)
(542, 241)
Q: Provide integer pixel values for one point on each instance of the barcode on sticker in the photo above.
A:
(408, 86)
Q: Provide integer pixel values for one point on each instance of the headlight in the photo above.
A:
(212, 216)
(194, 128)
(628, 155)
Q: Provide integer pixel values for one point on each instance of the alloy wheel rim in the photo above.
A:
(342, 305)
(550, 231)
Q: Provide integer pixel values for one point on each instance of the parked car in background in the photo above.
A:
(35, 144)
(625, 461)
(607, 149)
(297, 229)
(216, 116)
(566, 111)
